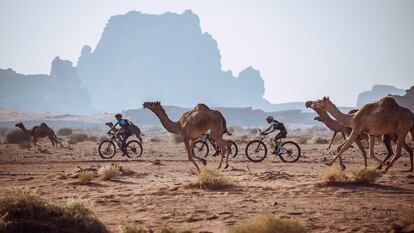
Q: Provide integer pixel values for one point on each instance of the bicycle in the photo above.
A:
(288, 151)
(107, 148)
(201, 147)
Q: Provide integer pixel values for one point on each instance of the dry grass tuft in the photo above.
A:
(24, 211)
(302, 139)
(131, 228)
(333, 174)
(64, 132)
(209, 179)
(17, 136)
(269, 224)
(85, 177)
(93, 138)
(108, 172)
(77, 137)
(155, 139)
(365, 175)
(176, 138)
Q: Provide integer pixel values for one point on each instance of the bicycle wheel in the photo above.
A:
(233, 149)
(256, 151)
(133, 149)
(200, 148)
(290, 152)
(107, 149)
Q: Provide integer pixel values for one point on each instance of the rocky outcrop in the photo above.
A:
(377, 92)
(407, 100)
(58, 92)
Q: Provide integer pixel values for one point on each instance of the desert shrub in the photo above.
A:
(93, 138)
(25, 145)
(318, 140)
(209, 179)
(103, 138)
(176, 138)
(365, 175)
(333, 174)
(64, 132)
(24, 211)
(234, 129)
(78, 137)
(269, 224)
(3, 131)
(155, 139)
(316, 129)
(253, 131)
(108, 172)
(131, 228)
(167, 229)
(17, 136)
(302, 139)
(85, 177)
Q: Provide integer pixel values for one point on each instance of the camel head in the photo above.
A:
(321, 103)
(308, 104)
(317, 118)
(20, 125)
(153, 106)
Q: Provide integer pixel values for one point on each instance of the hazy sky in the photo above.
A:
(303, 49)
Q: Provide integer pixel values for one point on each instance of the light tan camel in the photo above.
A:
(337, 127)
(135, 130)
(192, 125)
(40, 131)
(376, 119)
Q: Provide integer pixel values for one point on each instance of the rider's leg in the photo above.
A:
(279, 136)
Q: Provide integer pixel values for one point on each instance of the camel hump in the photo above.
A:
(201, 106)
(388, 101)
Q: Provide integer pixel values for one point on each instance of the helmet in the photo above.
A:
(269, 118)
(118, 115)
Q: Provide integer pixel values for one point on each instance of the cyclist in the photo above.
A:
(275, 125)
(124, 132)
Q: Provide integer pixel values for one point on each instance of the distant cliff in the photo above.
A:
(407, 100)
(58, 92)
(166, 57)
(376, 93)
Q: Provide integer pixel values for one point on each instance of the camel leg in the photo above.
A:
(387, 141)
(204, 161)
(410, 153)
(332, 139)
(372, 139)
(351, 139)
(51, 139)
(223, 151)
(397, 154)
(190, 153)
(362, 149)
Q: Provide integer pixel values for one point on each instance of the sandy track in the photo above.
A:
(155, 194)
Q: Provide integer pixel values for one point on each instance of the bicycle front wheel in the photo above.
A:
(290, 152)
(107, 149)
(133, 149)
(256, 151)
(233, 149)
(200, 148)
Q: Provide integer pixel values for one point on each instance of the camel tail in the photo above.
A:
(225, 126)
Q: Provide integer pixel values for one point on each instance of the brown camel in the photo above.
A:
(192, 125)
(337, 127)
(40, 131)
(383, 117)
(134, 130)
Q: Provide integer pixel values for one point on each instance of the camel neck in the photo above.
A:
(26, 131)
(169, 125)
(325, 117)
(342, 118)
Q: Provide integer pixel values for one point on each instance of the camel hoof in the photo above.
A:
(204, 162)
(227, 166)
(342, 167)
(379, 167)
(328, 164)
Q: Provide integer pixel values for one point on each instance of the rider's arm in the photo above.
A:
(268, 129)
(113, 127)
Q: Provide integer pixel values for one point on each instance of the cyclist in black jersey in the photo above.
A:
(275, 125)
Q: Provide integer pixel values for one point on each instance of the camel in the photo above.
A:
(192, 125)
(337, 127)
(380, 118)
(134, 130)
(40, 131)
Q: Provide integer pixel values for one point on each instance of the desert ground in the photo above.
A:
(155, 193)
